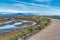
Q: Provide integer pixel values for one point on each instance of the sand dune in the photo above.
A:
(52, 32)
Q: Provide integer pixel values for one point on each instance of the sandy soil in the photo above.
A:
(52, 32)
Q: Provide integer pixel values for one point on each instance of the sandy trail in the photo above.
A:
(52, 32)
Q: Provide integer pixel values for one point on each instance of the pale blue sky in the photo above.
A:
(40, 7)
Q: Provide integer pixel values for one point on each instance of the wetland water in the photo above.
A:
(9, 28)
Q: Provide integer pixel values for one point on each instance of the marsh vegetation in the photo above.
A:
(40, 23)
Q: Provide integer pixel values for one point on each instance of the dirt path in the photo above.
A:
(52, 32)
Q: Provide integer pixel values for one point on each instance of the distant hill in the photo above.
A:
(10, 14)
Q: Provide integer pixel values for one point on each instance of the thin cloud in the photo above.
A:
(36, 5)
(43, 0)
(47, 10)
(37, 8)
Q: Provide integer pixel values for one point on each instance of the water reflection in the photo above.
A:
(17, 23)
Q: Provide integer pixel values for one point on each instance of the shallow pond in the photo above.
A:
(17, 23)
(9, 28)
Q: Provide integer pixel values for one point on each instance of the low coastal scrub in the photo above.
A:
(41, 23)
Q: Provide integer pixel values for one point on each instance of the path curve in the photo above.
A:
(52, 32)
